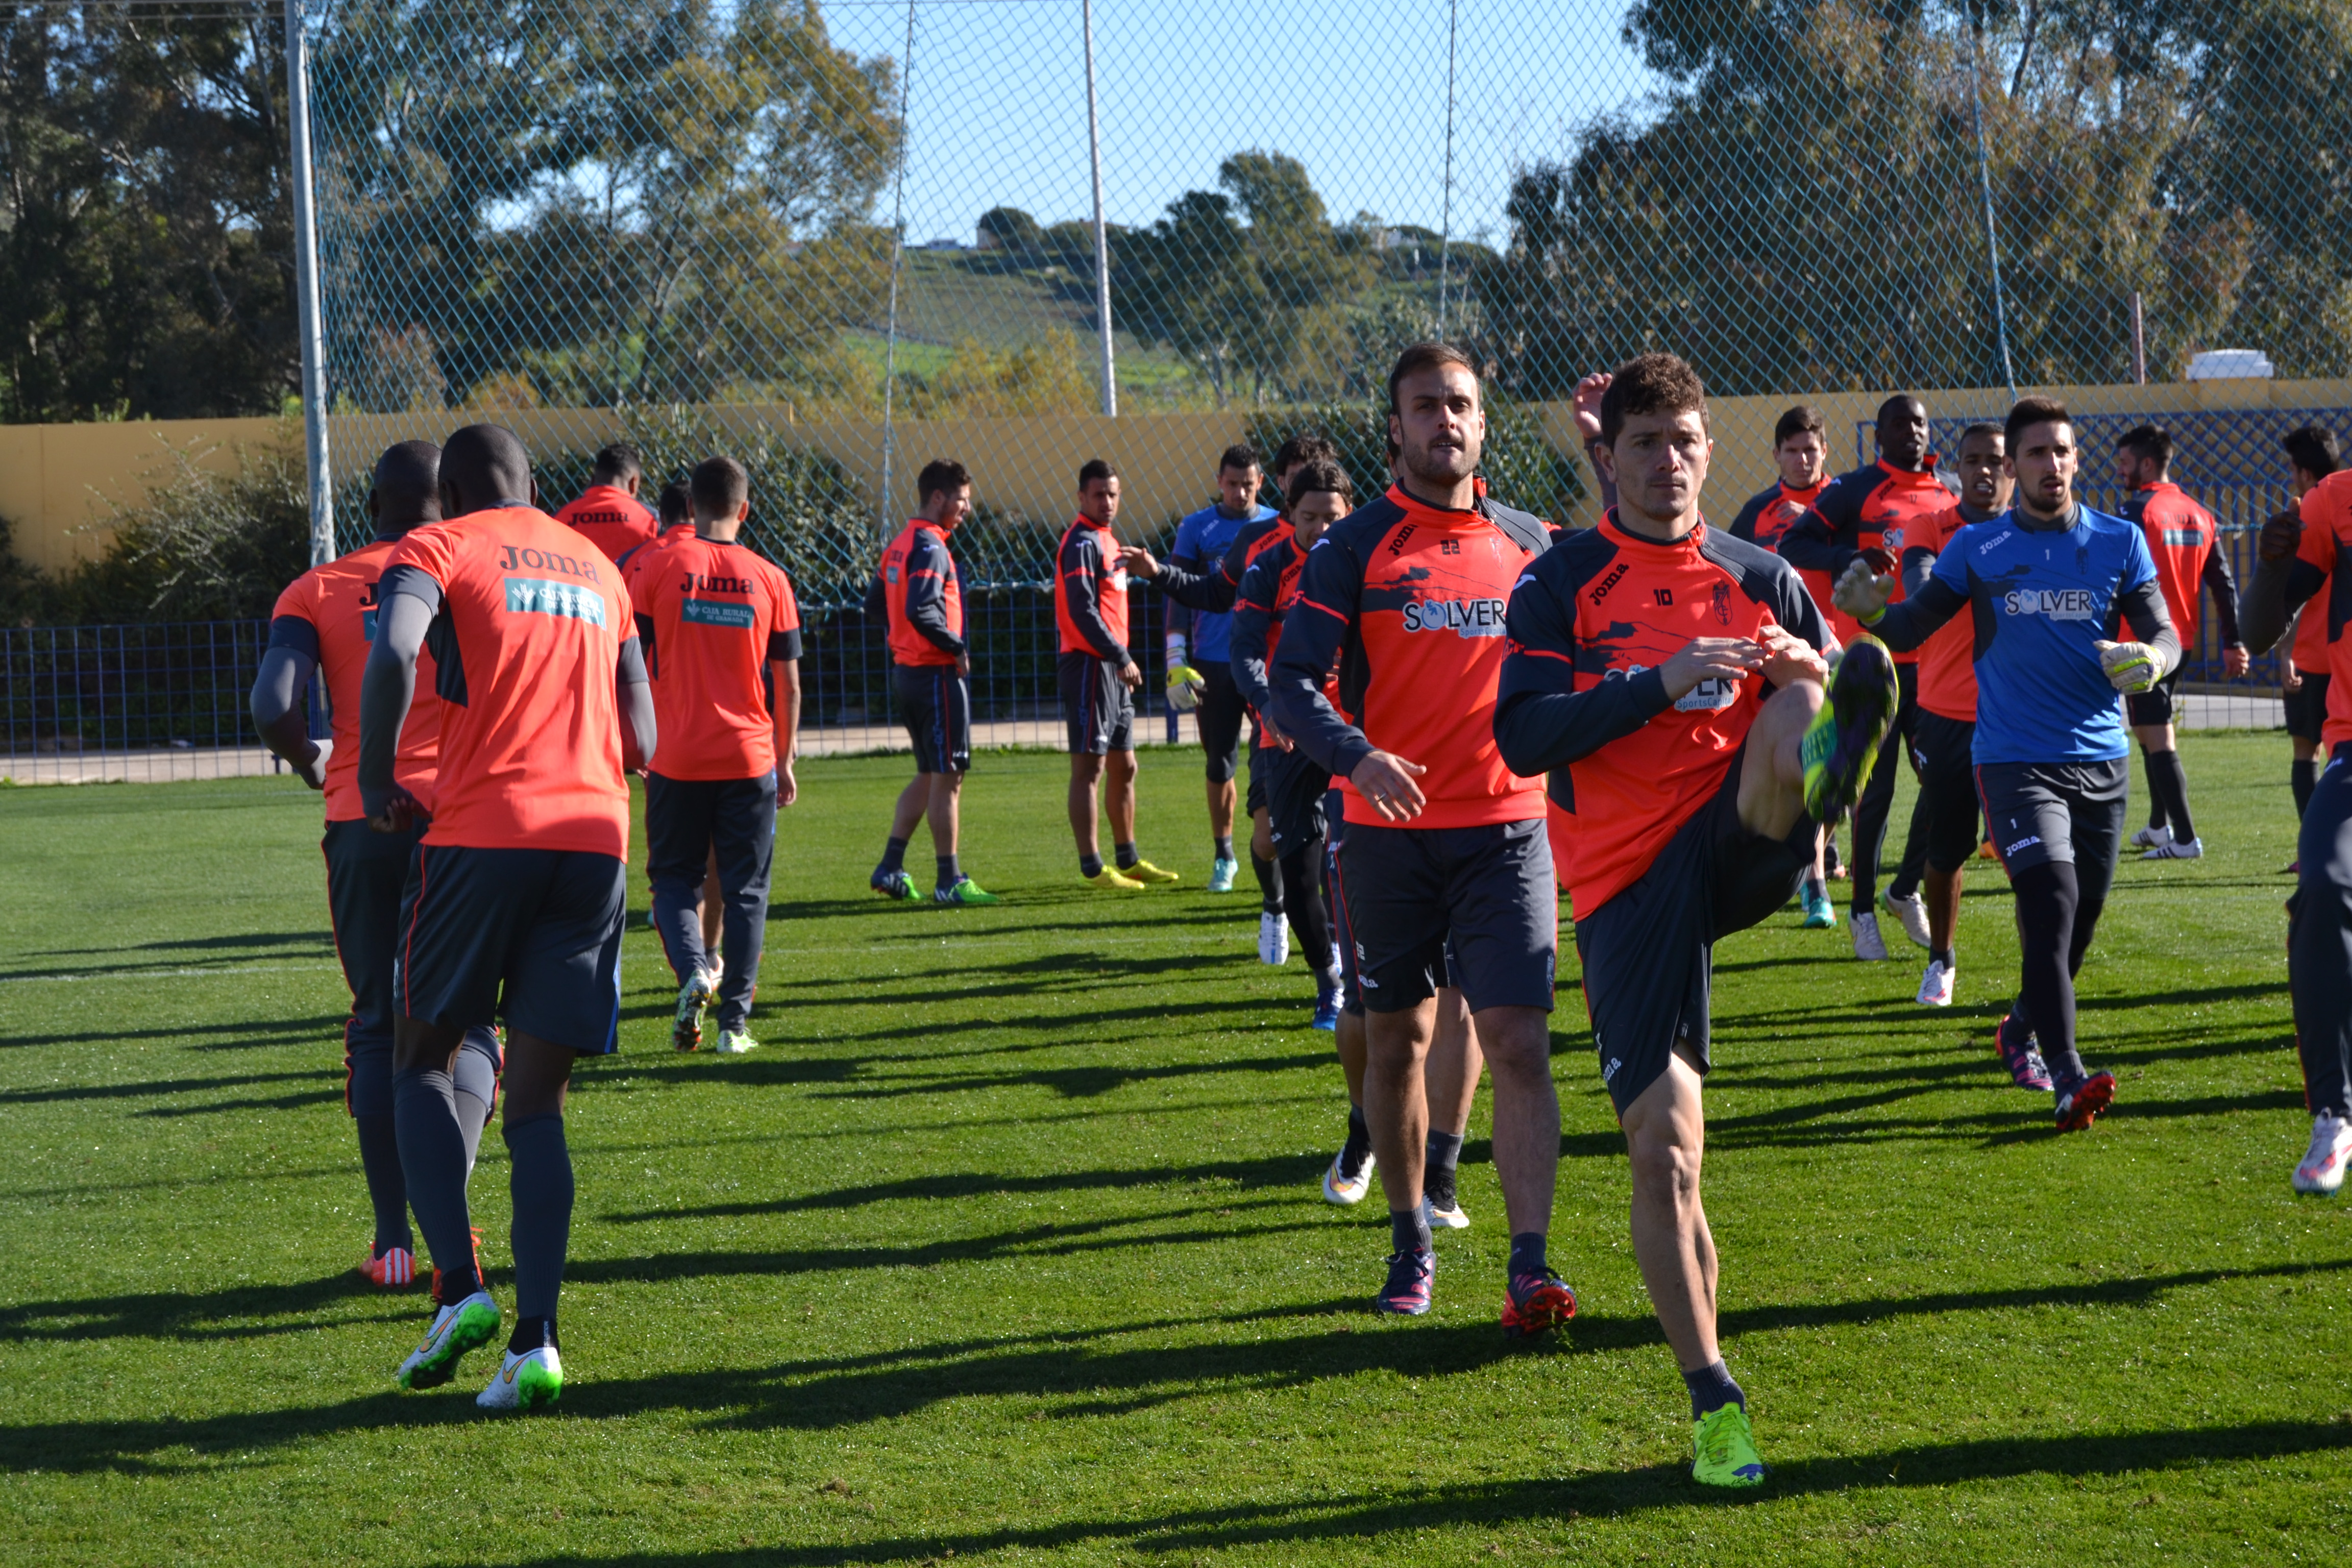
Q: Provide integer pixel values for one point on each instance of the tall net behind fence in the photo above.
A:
(841, 240)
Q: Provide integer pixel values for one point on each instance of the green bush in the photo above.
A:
(1521, 468)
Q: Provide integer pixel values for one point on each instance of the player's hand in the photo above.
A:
(787, 788)
(1271, 733)
(1882, 561)
(2290, 678)
(2281, 537)
(1129, 676)
(1710, 659)
(963, 664)
(1789, 659)
(314, 772)
(2129, 667)
(397, 813)
(1588, 406)
(1185, 685)
(2235, 661)
(1862, 593)
(1386, 783)
(1138, 561)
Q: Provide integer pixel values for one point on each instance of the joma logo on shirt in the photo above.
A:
(547, 561)
(1463, 618)
(697, 584)
(566, 601)
(2058, 604)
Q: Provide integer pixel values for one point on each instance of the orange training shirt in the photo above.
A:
(1948, 659)
(2327, 540)
(611, 517)
(337, 601)
(714, 614)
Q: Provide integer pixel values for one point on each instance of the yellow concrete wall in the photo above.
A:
(59, 483)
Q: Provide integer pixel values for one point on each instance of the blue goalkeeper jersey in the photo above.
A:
(2041, 601)
(1202, 541)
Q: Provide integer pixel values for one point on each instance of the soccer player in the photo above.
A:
(1444, 863)
(674, 508)
(608, 511)
(1202, 539)
(1678, 674)
(1097, 676)
(1943, 733)
(919, 598)
(324, 622)
(2181, 539)
(1869, 514)
(2314, 454)
(1801, 450)
(719, 628)
(2042, 583)
(1286, 788)
(2297, 561)
(514, 903)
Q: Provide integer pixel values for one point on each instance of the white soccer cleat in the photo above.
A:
(2174, 849)
(2322, 1170)
(2151, 839)
(1273, 940)
(1911, 914)
(736, 1043)
(1868, 946)
(1449, 1218)
(525, 1381)
(1935, 985)
(1340, 1188)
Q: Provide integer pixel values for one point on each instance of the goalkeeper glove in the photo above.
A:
(1861, 594)
(2129, 667)
(1184, 688)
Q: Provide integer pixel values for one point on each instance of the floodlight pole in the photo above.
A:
(887, 525)
(1984, 177)
(1445, 223)
(1102, 238)
(307, 323)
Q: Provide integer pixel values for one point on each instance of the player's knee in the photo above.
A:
(1666, 1164)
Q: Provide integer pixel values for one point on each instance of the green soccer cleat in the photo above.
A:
(962, 893)
(736, 1043)
(525, 1381)
(469, 1325)
(1726, 1449)
(1144, 871)
(693, 1001)
(1842, 744)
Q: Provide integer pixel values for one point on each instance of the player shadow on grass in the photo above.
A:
(161, 1087)
(251, 1034)
(322, 940)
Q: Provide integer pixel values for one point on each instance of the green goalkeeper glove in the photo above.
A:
(1184, 688)
(2130, 667)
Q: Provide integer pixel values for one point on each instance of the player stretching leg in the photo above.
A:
(324, 622)
(1445, 850)
(1286, 788)
(2298, 564)
(719, 626)
(1677, 673)
(2182, 538)
(2043, 581)
(515, 902)
(1097, 677)
(1944, 730)
(918, 597)
(1801, 450)
(1869, 513)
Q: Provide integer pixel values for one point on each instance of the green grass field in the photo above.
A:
(1008, 1246)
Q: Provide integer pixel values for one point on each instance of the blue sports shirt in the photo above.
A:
(2041, 600)
(1202, 541)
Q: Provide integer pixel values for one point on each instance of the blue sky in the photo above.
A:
(1353, 89)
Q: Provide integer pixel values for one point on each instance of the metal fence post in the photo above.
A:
(1102, 241)
(308, 319)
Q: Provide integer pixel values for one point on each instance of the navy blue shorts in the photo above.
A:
(1429, 907)
(1649, 952)
(528, 936)
(936, 705)
(1295, 792)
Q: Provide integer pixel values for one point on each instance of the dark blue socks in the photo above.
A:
(1711, 1388)
(540, 1183)
(1408, 1231)
(1528, 1252)
(433, 1161)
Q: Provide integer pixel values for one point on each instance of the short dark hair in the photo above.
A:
(1650, 383)
(618, 461)
(1239, 457)
(2152, 443)
(2313, 449)
(941, 473)
(2028, 411)
(677, 504)
(1426, 356)
(1796, 422)
(1984, 428)
(1322, 474)
(1304, 447)
(719, 486)
(1095, 468)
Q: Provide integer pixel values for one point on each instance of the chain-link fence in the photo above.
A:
(841, 240)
